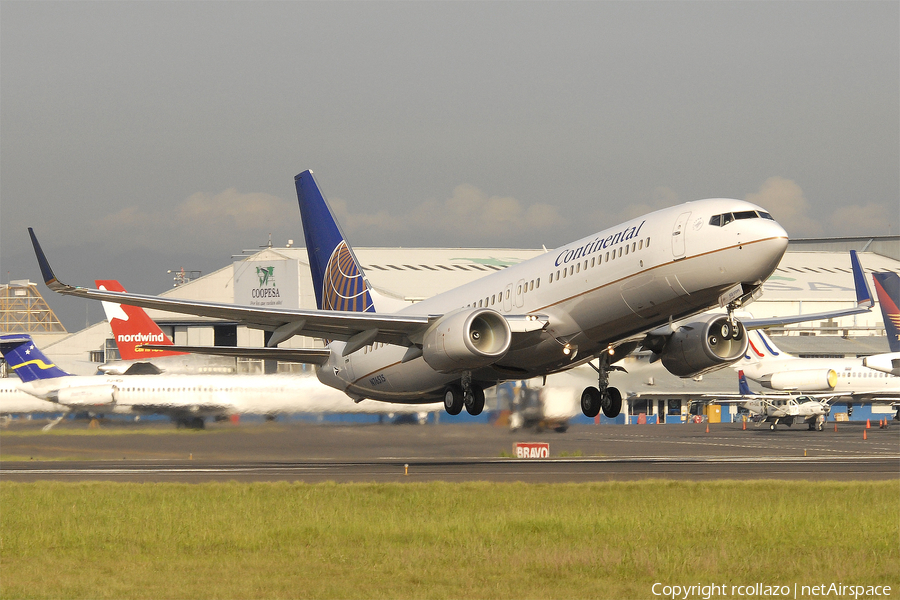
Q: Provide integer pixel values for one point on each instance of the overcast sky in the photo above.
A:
(137, 137)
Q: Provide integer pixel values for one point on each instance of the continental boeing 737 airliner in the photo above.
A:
(642, 283)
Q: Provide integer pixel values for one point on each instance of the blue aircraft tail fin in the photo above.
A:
(338, 279)
(887, 286)
(863, 293)
(743, 388)
(26, 359)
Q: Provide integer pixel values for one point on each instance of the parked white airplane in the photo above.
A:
(775, 369)
(781, 408)
(644, 282)
(187, 399)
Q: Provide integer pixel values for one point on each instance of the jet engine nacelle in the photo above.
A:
(886, 363)
(467, 339)
(88, 396)
(703, 346)
(810, 380)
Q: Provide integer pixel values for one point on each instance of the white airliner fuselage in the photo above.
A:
(14, 401)
(600, 290)
(192, 396)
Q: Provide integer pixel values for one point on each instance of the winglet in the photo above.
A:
(863, 293)
(46, 272)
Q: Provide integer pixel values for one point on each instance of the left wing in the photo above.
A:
(356, 328)
(285, 323)
(312, 356)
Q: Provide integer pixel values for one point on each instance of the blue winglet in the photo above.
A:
(863, 293)
(26, 359)
(338, 280)
(46, 272)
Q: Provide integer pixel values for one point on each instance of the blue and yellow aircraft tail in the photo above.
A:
(887, 286)
(338, 279)
(26, 359)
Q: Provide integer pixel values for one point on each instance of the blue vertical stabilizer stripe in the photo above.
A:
(28, 362)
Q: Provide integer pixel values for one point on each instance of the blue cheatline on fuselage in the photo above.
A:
(338, 280)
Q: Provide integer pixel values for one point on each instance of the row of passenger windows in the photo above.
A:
(726, 218)
(601, 258)
(187, 389)
(493, 299)
(849, 374)
(524, 288)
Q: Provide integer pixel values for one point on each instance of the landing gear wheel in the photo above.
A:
(453, 399)
(590, 402)
(772, 426)
(612, 403)
(474, 401)
(737, 332)
(725, 331)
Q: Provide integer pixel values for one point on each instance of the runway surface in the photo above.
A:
(300, 451)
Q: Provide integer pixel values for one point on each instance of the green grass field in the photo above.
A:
(436, 540)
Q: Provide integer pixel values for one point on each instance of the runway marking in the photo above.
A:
(307, 467)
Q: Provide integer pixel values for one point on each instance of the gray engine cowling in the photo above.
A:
(703, 346)
(467, 339)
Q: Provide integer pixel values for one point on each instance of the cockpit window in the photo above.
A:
(726, 218)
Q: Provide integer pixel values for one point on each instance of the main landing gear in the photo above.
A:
(607, 398)
(466, 394)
